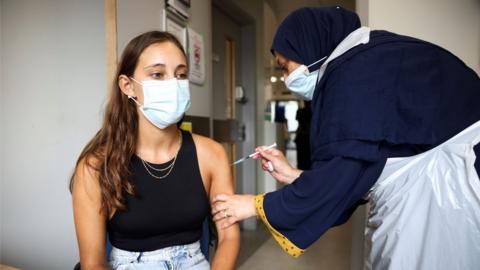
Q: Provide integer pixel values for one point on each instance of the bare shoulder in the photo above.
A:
(208, 149)
(212, 157)
(86, 178)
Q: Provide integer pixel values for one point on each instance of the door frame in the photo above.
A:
(248, 27)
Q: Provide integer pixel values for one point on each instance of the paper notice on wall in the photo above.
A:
(177, 30)
(196, 56)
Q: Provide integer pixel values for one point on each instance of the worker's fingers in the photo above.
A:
(270, 154)
(229, 221)
(264, 149)
(218, 216)
(264, 162)
(219, 207)
(220, 197)
(270, 166)
(258, 149)
(267, 165)
(224, 214)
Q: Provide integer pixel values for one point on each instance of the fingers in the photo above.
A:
(219, 207)
(258, 149)
(225, 222)
(261, 149)
(220, 215)
(264, 167)
(228, 222)
(264, 163)
(223, 214)
(269, 154)
(270, 166)
(267, 165)
(220, 198)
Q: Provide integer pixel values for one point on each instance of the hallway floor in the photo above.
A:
(331, 252)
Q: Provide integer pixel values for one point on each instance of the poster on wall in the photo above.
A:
(177, 30)
(196, 57)
(180, 8)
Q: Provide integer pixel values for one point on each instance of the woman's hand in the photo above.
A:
(230, 209)
(280, 169)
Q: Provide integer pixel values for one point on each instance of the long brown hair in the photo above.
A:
(109, 152)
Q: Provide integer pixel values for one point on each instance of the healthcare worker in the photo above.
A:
(375, 95)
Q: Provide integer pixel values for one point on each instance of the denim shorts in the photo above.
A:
(170, 258)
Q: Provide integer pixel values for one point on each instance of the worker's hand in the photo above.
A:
(229, 209)
(279, 167)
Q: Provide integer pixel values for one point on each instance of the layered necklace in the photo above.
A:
(161, 173)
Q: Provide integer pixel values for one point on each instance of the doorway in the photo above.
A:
(234, 98)
(233, 36)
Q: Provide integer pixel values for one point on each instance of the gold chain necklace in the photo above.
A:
(146, 165)
(161, 176)
(159, 169)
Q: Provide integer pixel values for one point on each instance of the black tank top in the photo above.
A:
(165, 212)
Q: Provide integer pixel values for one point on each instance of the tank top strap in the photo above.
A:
(188, 143)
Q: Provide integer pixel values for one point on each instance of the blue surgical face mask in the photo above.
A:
(164, 102)
(302, 82)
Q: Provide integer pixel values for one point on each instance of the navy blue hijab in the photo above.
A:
(308, 34)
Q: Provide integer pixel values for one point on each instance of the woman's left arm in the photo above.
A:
(213, 159)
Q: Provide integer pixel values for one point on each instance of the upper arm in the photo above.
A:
(90, 222)
(214, 161)
(222, 180)
(222, 183)
(214, 166)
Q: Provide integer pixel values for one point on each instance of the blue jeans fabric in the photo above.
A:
(170, 258)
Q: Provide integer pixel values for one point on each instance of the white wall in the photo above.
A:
(361, 8)
(53, 87)
(136, 17)
(269, 29)
(454, 25)
(201, 22)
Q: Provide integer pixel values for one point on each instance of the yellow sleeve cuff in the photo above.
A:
(283, 241)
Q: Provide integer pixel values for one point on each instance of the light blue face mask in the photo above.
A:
(301, 82)
(164, 102)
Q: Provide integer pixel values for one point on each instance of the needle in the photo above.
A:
(252, 155)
